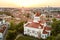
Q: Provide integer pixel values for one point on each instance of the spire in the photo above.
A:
(36, 17)
(37, 14)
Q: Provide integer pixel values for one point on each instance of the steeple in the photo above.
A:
(37, 14)
(37, 17)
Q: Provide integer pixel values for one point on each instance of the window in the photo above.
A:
(28, 30)
(0, 38)
(42, 35)
(33, 31)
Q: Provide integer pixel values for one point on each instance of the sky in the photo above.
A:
(29, 3)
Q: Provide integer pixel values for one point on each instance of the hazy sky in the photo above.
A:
(29, 3)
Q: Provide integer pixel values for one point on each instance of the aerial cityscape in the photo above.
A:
(29, 20)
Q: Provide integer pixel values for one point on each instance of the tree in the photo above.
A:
(11, 35)
(27, 38)
(58, 37)
(12, 25)
(54, 19)
(51, 38)
(56, 27)
(19, 27)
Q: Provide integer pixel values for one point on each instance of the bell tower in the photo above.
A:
(37, 17)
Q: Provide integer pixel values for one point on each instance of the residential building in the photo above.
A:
(3, 29)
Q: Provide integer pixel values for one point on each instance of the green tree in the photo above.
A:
(51, 38)
(58, 37)
(19, 27)
(26, 38)
(56, 27)
(54, 19)
(11, 35)
(12, 25)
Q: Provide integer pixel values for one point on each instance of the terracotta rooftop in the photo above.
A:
(30, 20)
(47, 28)
(41, 26)
(44, 32)
(2, 29)
(34, 25)
(37, 14)
(58, 16)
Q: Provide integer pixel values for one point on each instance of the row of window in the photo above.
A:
(44, 36)
(31, 31)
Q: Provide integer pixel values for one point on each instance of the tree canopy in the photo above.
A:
(56, 27)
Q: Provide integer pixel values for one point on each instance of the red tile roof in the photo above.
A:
(39, 21)
(44, 32)
(37, 14)
(34, 25)
(47, 28)
(30, 20)
(58, 16)
(41, 26)
(2, 29)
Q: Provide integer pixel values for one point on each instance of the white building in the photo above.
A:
(37, 27)
(1, 36)
(3, 29)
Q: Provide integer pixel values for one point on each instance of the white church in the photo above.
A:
(37, 27)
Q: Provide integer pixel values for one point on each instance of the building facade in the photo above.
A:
(37, 27)
(3, 29)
